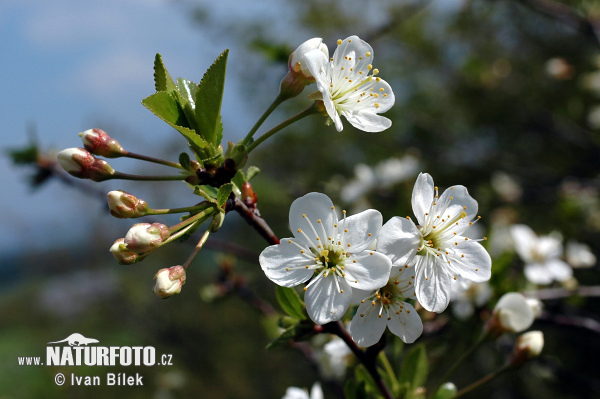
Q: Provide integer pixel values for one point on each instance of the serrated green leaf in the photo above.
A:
(299, 332)
(223, 194)
(290, 302)
(184, 160)
(208, 100)
(164, 105)
(162, 79)
(446, 391)
(186, 96)
(252, 172)
(414, 369)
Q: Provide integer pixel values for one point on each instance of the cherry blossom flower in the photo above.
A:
(437, 247)
(297, 393)
(347, 88)
(386, 306)
(333, 254)
(512, 313)
(541, 255)
(579, 255)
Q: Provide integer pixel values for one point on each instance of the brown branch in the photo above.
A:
(252, 216)
(557, 293)
(572, 321)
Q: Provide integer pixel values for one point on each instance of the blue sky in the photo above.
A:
(68, 64)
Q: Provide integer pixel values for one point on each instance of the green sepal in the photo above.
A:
(166, 107)
(162, 79)
(223, 194)
(290, 302)
(414, 370)
(299, 332)
(206, 192)
(216, 222)
(184, 160)
(208, 98)
(446, 391)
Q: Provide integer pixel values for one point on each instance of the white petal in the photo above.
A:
(461, 201)
(537, 273)
(515, 313)
(559, 270)
(369, 272)
(367, 120)
(316, 392)
(550, 246)
(276, 258)
(476, 265)
(318, 65)
(359, 47)
(525, 240)
(325, 302)
(315, 206)
(368, 329)
(433, 287)
(407, 325)
(422, 196)
(399, 239)
(362, 229)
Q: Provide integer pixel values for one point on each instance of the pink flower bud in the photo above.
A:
(529, 345)
(144, 237)
(98, 142)
(169, 281)
(124, 205)
(123, 255)
(82, 164)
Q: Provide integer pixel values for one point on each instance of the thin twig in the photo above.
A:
(557, 293)
(255, 220)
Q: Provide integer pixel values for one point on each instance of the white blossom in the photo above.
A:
(466, 296)
(541, 255)
(513, 313)
(349, 86)
(579, 255)
(297, 393)
(437, 247)
(387, 306)
(297, 62)
(333, 254)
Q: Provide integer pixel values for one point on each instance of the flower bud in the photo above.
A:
(124, 205)
(299, 75)
(98, 142)
(144, 237)
(123, 255)
(82, 164)
(528, 346)
(169, 281)
(512, 314)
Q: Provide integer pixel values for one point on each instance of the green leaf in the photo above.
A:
(299, 332)
(362, 376)
(414, 369)
(184, 160)
(223, 194)
(239, 179)
(290, 302)
(355, 390)
(186, 93)
(208, 100)
(252, 172)
(162, 79)
(164, 105)
(206, 192)
(446, 391)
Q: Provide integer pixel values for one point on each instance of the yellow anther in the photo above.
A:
(339, 42)
(369, 67)
(368, 53)
(376, 105)
(299, 230)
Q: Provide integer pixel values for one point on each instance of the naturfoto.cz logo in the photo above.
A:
(77, 350)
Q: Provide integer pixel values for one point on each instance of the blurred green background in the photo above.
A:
(502, 97)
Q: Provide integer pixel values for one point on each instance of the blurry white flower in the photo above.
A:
(506, 187)
(559, 68)
(332, 253)
(529, 345)
(541, 255)
(536, 306)
(334, 358)
(511, 314)
(466, 296)
(386, 306)
(347, 88)
(437, 247)
(296, 393)
(579, 255)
